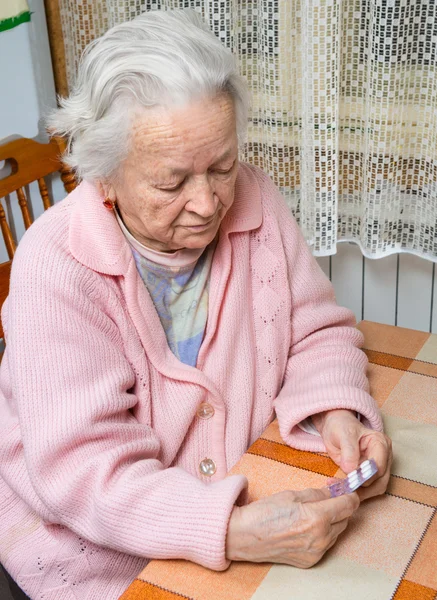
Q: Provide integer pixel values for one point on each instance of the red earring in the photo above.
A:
(108, 204)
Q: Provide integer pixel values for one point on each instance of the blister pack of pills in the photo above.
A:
(353, 480)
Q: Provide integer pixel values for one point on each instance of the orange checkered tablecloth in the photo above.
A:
(389, 550)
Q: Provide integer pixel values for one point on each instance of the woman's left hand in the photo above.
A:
(348, 442)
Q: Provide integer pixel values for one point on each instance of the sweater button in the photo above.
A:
(207, 467)
(205, 411)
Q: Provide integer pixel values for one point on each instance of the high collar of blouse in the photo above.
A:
(180, 258)
(96, 240)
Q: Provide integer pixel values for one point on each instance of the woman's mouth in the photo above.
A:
(199, 227)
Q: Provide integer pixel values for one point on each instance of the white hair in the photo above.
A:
(160, 58)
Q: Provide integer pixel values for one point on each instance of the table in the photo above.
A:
(389, 550)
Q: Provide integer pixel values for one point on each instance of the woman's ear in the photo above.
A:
(106, 190)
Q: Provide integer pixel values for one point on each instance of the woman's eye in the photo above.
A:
(174, 188)
(223, 171)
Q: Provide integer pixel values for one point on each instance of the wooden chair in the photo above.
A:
(30, 161)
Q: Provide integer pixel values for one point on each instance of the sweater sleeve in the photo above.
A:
(90, 462)
(326, 369)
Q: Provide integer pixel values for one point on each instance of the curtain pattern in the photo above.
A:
(344, 114)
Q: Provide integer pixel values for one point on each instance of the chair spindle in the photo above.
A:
(22, 201)
(44, 193)
(68, 178)
(7, 235)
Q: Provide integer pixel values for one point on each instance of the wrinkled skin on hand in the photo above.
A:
(297, 527)
(292, 527)
(348, 442)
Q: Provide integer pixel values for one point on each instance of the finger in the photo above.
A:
(337, 529)
(381, 452)
(331, 544)
(334, 531)
(332, 480)
(349, 451)
(340, 508)
(376, 489)
(311, 495)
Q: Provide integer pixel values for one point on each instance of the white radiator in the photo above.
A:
(397, 290)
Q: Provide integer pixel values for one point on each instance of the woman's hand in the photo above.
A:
(348, 443)
(293, 528)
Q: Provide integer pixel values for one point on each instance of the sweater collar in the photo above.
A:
(96, 240)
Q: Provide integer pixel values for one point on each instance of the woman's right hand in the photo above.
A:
(293, 527)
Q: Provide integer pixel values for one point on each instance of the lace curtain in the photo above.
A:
(344, 114)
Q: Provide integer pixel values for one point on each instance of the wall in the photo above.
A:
(27, 94)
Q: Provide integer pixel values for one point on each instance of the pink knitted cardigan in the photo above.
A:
(100, 444)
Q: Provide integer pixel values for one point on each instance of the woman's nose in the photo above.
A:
(202, 199)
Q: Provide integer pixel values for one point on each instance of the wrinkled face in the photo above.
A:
(178, 181)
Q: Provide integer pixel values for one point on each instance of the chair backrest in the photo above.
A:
(30, 161)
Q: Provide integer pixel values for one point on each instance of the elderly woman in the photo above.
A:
(158, 319)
